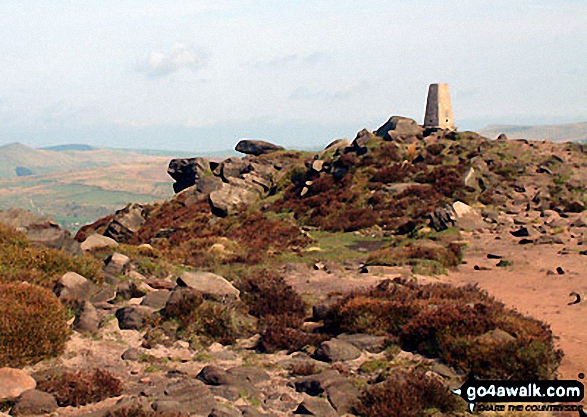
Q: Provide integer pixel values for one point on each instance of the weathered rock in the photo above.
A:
(256, 147)
(466, 217)
(72, 286)
(14, 382)
(132, 317)
(34, 402)
(213, 375)
(335, 350)
(88, 321)
(187, 171)
(442, 218)
(224, 411)
(192, 395)
(230, 198)
(115, 264)
(156, 299)
(318, 383)
(315, 407)
(131, 354)
(250, 374)
(96, 242)
(126, 290)
(521, 232)
(366, 342)
(126, 222)
(398, 127)
(470, 178)
(210, 285)
(343, 397)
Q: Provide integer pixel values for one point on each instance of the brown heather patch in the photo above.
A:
(33, 326)
(81, 387)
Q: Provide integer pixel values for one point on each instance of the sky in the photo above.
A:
(198, 75)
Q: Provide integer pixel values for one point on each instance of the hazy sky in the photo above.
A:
(199, 75)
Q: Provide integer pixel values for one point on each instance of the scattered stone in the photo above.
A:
(250, 374)
(213, 375)
(315, 407)
(365, 342)
(560, 271)
(521, 232)
(496, 336)
(470, 178)
(72, 286)
(88, 321)
(131, 354)
(492, 256)
(96, 242)
(156, 299)
(132, 317)
(115, 264)
(318, 383)
(335, 350)
(577, 299)
(343, 397)
(34, 402)
(14, 382)
(224, 411)
(126, 290)
(525, 241)
(192, 395)
(210, 285)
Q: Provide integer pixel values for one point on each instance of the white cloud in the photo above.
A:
(161, 63)
(293, 60)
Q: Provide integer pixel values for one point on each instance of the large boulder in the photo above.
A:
(256, 147)
(210, 285)
(72, 286)
(230, 198)
(187, 171)
(14, 382)
(97, 242)
(398, 127)
(41, 231)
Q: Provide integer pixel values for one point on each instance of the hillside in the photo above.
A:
(367, 279)
(570, 132)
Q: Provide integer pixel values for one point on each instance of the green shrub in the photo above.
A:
(82, 387)
(33, 324)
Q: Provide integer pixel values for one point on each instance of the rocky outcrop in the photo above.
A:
(256, 147)
(187, 171)
(230, 198)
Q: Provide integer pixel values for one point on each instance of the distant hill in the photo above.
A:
(556, 133)
(69, 147)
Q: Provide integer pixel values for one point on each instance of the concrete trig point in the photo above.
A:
(438, 108)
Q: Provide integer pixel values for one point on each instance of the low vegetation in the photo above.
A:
(33, 325)
(81, 387)
(20, 261)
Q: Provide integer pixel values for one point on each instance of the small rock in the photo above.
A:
(213, 375)
(132, 317)
(34, 402)
(14, 382)
(115, 264)
(315, 407)
(156, 299)
(343, 397)
(521, 232)
(131, 354)
(525, 241)
(492, 256)
(366, 342)
(96, 242)
(88, 321)
(224, 411)
(560, 271)
(335, 350)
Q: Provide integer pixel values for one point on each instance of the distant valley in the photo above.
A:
(76, 184)
(575, 132)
